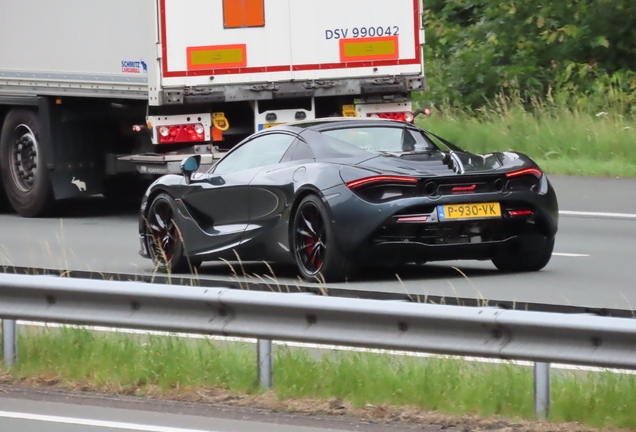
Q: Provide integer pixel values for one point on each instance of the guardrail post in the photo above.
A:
(264, 351)
(541, 389)
(9, 343)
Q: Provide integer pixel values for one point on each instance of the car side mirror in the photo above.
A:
(189, 166)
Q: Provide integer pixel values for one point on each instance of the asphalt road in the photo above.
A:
(34, 410)
(593, 264)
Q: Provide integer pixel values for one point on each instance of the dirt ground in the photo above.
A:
(375, 414)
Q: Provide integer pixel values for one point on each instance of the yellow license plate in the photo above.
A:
(468, 211)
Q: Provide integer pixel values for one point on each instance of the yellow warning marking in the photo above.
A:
(369, 48)
(217, 56)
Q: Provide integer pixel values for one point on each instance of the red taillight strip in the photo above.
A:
(376, 179)
(413, 219)
(519, 212)
(532, 171)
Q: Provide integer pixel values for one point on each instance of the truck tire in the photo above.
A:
(4, 202)
(26, 180)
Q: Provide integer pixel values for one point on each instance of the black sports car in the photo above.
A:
(332, 195)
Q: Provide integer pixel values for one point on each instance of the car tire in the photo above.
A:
(530, 258)
(26, 179)
(316, 252)
(164, 240)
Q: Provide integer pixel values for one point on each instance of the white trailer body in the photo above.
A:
(88, 72)
(298, 40)
(77, 47)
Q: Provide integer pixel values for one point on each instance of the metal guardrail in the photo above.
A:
(350, 291)
(480, 331)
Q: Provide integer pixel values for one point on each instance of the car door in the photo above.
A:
(271, 194)
(220, 201)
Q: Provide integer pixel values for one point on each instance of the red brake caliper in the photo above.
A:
(310, 243)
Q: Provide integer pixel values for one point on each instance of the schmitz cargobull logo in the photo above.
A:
(137, 67)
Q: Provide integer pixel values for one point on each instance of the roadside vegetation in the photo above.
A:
(161, 366)
(551, 78)
(561, 140)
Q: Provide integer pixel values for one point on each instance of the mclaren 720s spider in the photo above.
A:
(334, 195)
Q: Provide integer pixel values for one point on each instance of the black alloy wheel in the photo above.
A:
(163, 238)
(311, 238)
(315, 250)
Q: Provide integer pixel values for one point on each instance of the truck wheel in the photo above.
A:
(4, 202)
(26, 180)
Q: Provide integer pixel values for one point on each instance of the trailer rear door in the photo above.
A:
(250, 41)
(349, 38)
(234, 41)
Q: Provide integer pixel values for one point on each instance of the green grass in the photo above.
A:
(121, 361)
(561, 140)
(447, 385)
(135, 364)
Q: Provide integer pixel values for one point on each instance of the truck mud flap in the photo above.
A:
(72, 151)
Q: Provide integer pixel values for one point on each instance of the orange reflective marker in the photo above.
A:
(243, 13)
(217, 134)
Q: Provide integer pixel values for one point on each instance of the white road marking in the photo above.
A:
(331, 347)
(96, 423)
(597, 214)
(569, 254)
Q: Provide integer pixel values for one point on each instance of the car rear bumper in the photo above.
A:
(393, 252)
(362, 226)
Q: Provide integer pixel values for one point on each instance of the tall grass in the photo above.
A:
(133, 364)
(447, 385)
(123, 362)
(562, 139)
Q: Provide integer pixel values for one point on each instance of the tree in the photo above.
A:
(478, 48)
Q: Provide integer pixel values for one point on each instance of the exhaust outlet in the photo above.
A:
(499, 185)
(430, 189)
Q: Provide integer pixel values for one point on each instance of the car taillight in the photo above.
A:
(380, 179)
(405, 116)
(533, 171)
(181, 133)
(519, 212)
(413, 219)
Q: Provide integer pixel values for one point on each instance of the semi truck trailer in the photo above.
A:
(100, 96)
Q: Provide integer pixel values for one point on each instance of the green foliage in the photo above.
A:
(570, 49)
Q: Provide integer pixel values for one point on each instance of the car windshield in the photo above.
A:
(383, 139)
